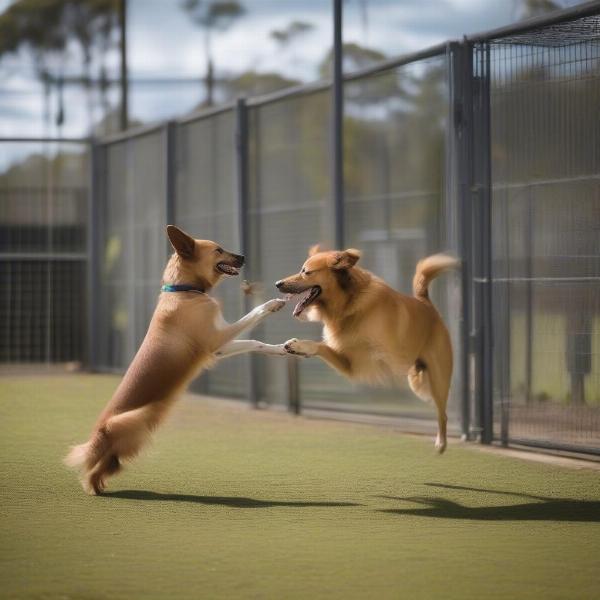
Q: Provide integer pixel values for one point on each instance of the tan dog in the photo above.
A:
(372, 333)
(187, 333)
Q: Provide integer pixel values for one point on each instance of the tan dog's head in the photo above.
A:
(200, 260)
(323, 278)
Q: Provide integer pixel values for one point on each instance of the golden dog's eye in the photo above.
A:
(219, 250)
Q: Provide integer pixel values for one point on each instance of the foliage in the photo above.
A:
(535, 8)
(252, 83)
(293, 31)
(209, 15)
(213, 15)
(355, 57)
(46, 28)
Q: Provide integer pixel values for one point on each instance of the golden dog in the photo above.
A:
(372, 333)
(187, 333)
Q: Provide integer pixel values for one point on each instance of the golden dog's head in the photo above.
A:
(201, 260)
(324, 277)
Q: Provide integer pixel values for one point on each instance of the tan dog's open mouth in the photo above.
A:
(227, 269)
(306, 298)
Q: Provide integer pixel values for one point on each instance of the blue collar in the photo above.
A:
(169, 287)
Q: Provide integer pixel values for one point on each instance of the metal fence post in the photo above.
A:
(460, 173)
(482, 198)
(241, 144)
(170, 174)
(293, 391)
(337, 127)
(93, 286)
(486, 187)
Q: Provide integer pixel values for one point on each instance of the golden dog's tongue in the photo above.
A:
(303, 299)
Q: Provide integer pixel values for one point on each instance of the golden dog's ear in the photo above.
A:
(182, 243)
(346, 259)
(314, 250)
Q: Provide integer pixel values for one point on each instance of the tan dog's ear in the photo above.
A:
(346, 259)
(314, 250)
(182, 243)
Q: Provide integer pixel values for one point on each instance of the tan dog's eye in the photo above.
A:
(219, 250)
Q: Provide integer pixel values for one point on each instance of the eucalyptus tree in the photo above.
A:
(210, 16)
(46, 28)
(35, 26)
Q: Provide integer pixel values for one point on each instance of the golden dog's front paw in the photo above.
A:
(300, 347)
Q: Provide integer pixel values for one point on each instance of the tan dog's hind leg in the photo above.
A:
(121, 437)
(94, 482)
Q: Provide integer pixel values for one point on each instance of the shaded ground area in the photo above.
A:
(235, 503)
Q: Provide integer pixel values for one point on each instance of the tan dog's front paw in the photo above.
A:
(301, 347)
(273, 306)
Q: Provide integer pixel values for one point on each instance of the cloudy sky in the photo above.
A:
(164, 43)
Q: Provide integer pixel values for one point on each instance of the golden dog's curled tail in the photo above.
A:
(429, 268)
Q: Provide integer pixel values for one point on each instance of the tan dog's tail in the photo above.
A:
(77, 456)
(429, 268)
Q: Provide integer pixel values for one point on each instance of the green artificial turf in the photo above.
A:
(234, 503)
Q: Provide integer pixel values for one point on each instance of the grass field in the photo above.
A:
(235, 503)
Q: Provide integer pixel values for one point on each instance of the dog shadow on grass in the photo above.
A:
(541, 509)
(229, 501)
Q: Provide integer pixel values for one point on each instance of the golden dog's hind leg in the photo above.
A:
(430, 383)
(439, 382)
(418, 381)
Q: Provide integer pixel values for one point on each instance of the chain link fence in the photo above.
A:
(488, 148)
(545, 211)
(43, 252)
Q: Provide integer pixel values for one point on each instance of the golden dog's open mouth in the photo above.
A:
(306, 297)
(227, 269)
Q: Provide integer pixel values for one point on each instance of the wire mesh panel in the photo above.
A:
(545, 100)
(394, 133)
(43, 222)
(206, 206)
(132, 244)
(289, 196)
